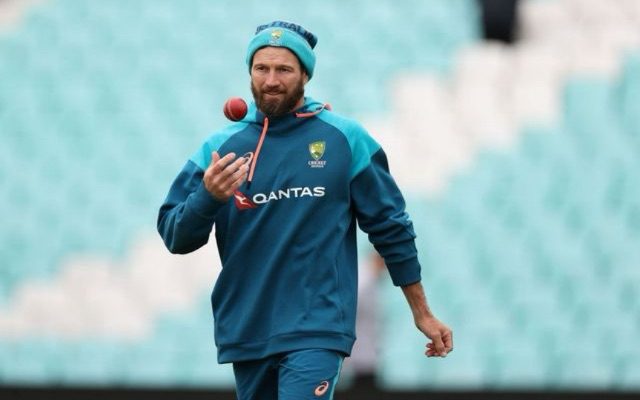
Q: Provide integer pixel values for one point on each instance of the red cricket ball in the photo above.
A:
(235, 108)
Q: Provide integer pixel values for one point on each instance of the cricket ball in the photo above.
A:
(235, 108)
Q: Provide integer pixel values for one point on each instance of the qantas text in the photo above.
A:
(296, 192)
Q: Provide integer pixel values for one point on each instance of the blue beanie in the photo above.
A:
(285, 34)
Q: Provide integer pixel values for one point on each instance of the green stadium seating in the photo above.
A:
(548, 237)
(530, 255)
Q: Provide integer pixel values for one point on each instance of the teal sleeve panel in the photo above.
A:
(202, 157)
(378, 202)
(380, 209)
(362, 145)
(187, 215)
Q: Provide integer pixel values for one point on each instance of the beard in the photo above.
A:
(275, 107)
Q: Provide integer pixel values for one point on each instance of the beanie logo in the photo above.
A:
(285, 34)
(276, 34)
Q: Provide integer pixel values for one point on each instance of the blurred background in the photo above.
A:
(512, 127)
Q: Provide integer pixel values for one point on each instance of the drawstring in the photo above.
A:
(257, 152)
(325, 106)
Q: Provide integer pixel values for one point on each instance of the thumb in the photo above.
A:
(438, 344)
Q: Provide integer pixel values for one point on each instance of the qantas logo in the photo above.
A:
(243, 202)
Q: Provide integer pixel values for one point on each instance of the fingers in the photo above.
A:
(431, 351)
(447, 338)
(224, 175)
(239, 176)
(215, 157)
(441, 344)
(223, 168)
(240, 179)
(220, 164)
(232, 177)
(230, 172)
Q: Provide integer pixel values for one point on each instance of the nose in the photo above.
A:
(272, 80)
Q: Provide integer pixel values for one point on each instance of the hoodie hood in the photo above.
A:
(310, 107)
(280, 124)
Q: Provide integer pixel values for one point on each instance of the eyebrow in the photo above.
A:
(266, 64)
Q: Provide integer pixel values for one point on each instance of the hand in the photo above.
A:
(440, 334)
(223, 176)
(441, 337)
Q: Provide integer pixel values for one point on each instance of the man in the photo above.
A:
(285, 188)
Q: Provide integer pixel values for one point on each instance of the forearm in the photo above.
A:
(187, 216)
(414, 293)
(184, 230)
(427, 323)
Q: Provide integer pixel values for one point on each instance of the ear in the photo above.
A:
(305, 77)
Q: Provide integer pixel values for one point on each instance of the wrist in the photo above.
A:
(204, 203)
(417, 300)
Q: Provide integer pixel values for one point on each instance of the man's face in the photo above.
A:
(277, 81)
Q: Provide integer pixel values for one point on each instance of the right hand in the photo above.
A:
(224, 175)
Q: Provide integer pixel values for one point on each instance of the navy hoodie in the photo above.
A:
(287, 239)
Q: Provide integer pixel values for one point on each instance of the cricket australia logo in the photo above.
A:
(316, 149)
(276, 35)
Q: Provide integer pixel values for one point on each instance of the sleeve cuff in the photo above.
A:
(203, 203)
(405, 272)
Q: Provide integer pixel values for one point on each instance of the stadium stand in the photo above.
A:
(520, 165)
(104, 103)
(531, 251)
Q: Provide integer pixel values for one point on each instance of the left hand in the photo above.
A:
(440, 334)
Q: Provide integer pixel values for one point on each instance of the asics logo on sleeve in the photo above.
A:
(321, 389)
